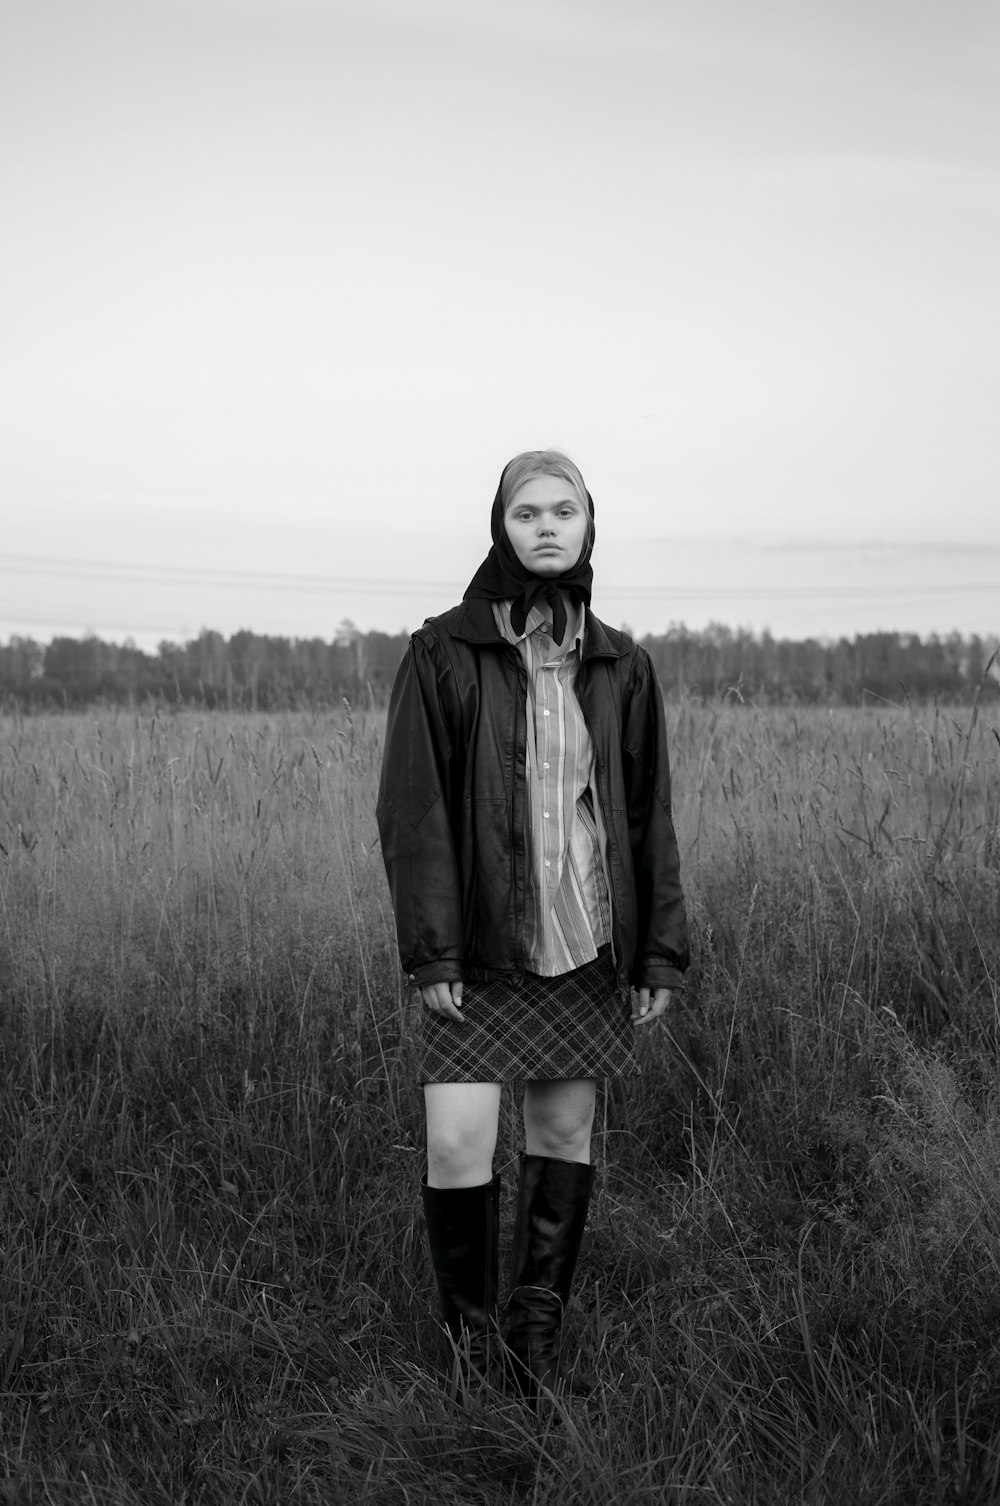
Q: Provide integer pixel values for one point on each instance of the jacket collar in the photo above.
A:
(473, 622)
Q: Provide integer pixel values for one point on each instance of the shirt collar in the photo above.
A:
(538, 615)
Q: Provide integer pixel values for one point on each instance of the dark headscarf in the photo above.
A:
(502, 577)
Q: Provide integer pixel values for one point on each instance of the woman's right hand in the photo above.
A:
(444, 998)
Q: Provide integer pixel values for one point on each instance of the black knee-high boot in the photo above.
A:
(462, 1233)
(552, 1201)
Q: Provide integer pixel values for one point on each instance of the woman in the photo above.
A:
(524, 813)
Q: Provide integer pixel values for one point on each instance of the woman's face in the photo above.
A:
(547, 525)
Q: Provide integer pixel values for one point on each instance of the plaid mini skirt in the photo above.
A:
(532, 1028)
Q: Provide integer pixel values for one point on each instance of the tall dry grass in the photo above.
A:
(214, 1282)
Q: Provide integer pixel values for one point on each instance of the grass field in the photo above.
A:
(213, 1273)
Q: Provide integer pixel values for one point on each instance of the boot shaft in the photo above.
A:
(552, 1202)
(553, 1198)
(462, 1227)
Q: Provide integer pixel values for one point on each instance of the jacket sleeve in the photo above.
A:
(662, 950)
(414, 822)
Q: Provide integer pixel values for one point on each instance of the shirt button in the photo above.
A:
(548, 863)
(413, 977)
(545, 814)
(546, 713)
(544, 765)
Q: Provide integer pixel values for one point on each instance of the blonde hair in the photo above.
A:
(531, 463)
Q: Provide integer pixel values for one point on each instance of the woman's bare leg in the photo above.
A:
(558, 1118)
(462, 1122)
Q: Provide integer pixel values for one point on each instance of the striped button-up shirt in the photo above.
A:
(567, 913)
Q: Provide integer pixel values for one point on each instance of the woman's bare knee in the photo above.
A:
(461, 1132)
(458, 1156)
(558, 1119)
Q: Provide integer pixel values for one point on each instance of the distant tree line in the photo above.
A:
(763, 668)
(256, 672)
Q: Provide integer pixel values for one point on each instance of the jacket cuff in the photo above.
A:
(443, 970)
(658, 975)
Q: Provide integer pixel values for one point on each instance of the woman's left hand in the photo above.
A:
(650, 1008)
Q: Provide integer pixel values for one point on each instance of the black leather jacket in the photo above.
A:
(451, 804)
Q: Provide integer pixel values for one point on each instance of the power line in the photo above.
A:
(88, 620)
(126, 574)
(144, 574)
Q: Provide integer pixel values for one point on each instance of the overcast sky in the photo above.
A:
(286, 282)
